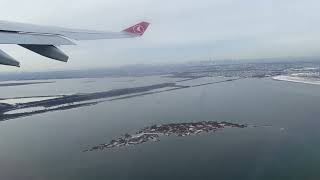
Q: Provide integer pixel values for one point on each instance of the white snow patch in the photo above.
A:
(296, 79)
(14, 101)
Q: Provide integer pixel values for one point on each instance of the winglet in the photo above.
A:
(138, 29)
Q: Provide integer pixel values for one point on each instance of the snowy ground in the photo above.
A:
(297, 79)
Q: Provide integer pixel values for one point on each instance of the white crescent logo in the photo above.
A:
(139, 29)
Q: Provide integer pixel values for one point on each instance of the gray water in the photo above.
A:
(50, 145)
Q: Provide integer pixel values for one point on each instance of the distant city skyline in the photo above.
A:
(180, 31)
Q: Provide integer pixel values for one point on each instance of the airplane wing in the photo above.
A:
(44, 40)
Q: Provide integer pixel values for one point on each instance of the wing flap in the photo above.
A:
(29, 38)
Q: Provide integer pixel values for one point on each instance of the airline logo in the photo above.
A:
(138, 29)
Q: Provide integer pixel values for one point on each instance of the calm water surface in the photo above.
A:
(49, 146)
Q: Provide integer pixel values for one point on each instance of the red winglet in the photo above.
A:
(138, 29)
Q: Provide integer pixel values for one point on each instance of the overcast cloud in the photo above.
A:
(181, 30)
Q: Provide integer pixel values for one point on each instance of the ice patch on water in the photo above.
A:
(297, 79)
(14, 101)
(25, 110)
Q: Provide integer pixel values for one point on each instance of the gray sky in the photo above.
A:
(181, 30)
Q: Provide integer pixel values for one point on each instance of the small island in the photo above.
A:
(153, 133)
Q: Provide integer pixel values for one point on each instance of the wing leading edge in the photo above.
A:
(44, 39)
